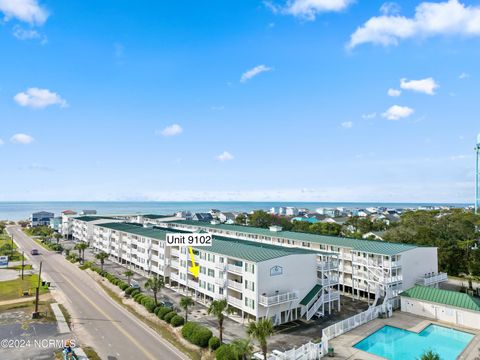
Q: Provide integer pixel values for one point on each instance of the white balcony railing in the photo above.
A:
(327, 265)
(220, 266)
(235, 269)
(174, 263)
(432, 279)
(175, 252)
(234, 301)
(174, 277)
(235, 285)
(220, 282)
(266, 300)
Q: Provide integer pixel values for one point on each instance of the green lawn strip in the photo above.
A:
(91, 354)
(10, 290)
(66, 315)
(160, 329)
(19, 267)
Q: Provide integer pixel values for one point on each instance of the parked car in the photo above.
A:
(134, 284)
(34, 252)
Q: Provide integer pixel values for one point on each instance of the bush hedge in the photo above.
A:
(177, 320)
(169, 316)
(150, 307)
(162, 312)
(226, 352)
(214, 343)
(196, 334)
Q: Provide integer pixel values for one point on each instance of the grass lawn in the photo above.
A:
(19, 267)
(29, 306)
(9, 290)
(5, 239)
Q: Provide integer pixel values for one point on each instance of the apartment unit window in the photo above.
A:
(220, 291)
(250, 303)
(221, 259)
(211, 272)
(201, 283)
(250, 268)
(210, 287)
(250, 285)
(183, 263)
(211, 257)
(203, 270)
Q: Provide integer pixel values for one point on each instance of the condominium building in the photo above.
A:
(258, 280)
(66, 224)
(82, 226)
(366, 268)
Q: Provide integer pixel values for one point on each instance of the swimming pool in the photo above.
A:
(397, 344)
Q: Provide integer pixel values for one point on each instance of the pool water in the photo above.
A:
(397, 344)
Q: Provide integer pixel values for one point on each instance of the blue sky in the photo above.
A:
(239, 100)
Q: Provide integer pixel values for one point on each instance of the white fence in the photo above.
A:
(308, 351)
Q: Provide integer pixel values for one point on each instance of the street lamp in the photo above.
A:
(477, 151)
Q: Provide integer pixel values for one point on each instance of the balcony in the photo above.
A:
(432, 279)
(329, 282)
(327, 265)
(174, 264)
(278, 298)
(174, 277)
(235, 269)
(235, 285)
(175, 252)
(234, 301)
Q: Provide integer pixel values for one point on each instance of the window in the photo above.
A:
(210, 287)
(203, 270)
(249, 303)
(250, 268)
(211, 272)
(250, 285)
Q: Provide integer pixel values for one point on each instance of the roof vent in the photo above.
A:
(275, 228)
(215, 222)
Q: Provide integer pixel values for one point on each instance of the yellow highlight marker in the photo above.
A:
(194, 269)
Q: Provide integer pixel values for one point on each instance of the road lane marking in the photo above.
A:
(114, 323)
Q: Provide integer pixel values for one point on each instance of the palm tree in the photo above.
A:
(101, 256)
(430, 355)
(261, 331)
(57, 237)
(185, 302)
(81, 250)
(219, 308)
(155, 284)
(128, 274)
(242, 348)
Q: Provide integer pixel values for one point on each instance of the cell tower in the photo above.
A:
(477, 197)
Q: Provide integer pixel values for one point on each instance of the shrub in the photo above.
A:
(86, 265)
(196, 334)
(123, 286)
(138, 297)
(162, 312)
(134, 292)
(177, 320)
(214, 343)
(129, 290)
(157, 309)
(225, 352)
(201, 336)
(150, 307)
(169, 316)
(145, 300)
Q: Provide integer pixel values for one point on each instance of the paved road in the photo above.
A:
(113, 331)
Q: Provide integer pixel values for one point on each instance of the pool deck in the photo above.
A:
(344, 349)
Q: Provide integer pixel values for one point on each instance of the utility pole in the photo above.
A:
(36, 315)
(23, 262)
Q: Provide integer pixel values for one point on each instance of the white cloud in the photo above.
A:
(249, 74)
(1, 142)
(225, 156)
(397, 112)
(28, 34)
(369, 116)
(29, 11)
(21, 139)
(463, 76)
(308, 9)
(426, 86)
(39, 98)
(347, 124)
(390, 8)
(431, 19)
(171, 130)
(394, 92)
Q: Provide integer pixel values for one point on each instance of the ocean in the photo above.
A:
(22, 210)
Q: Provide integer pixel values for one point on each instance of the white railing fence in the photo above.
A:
(308, 351)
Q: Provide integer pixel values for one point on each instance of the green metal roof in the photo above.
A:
(240, 249)
(136, 229)
(311, 294)
(155, 216)
(369, 246)
(447, 297)
(92, 218)
(250, 250)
